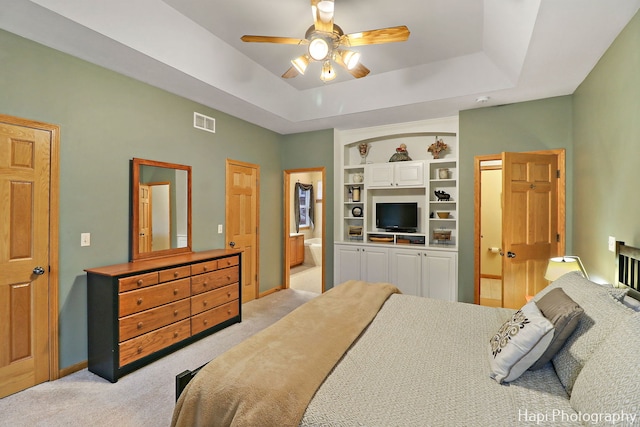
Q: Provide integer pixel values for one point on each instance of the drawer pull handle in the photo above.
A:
(139, 349)
(205, 283)
(204, 303)
(175, 312)
(175, 274)
(228, 311)
(139, 301)
(206, 321)
(139, 282)
(139, 325)
(229, 294)
(175, 335)
(228, 277)
(204, 268)
(175, 292)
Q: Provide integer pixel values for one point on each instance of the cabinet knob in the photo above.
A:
(175, 312)
(175, 274)
(229, 294)
(139, 325)
(139, 282)
(228, 277)
(205, 321)
(204, 268)
(229, 311)
(139, 349)
(175, 292)
(204, 303)
(139, 301)
(175, 335)
(204, 284)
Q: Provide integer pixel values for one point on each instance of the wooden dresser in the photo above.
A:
(143, 310)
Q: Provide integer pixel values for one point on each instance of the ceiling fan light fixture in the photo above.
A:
(350, 58)
(327, 73)
(325, 10)
(301, 63)
(318, 49)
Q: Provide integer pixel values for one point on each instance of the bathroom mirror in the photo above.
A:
(160, 209)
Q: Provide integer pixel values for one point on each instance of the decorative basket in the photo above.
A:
(442, 235)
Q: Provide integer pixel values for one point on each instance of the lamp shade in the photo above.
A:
(559, 266)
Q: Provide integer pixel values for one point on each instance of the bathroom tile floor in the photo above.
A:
(306, 278)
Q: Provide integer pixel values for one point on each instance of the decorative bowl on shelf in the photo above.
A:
(443, 214)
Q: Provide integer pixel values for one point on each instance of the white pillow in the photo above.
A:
(519, 342)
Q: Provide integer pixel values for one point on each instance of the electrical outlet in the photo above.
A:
(219, 228)
(85, 239)
(612, 243)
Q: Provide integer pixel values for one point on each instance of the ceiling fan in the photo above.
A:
(327, 42)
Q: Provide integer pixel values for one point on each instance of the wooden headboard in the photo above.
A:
(628, 268)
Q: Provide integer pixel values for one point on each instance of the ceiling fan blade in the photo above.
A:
(322, 17)
(359, 71)
(269, 39)
(290, 73)
(383, 35)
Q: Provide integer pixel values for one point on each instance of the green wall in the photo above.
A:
(310, 150)
(106, 119)
(607, 152)
(527, 126)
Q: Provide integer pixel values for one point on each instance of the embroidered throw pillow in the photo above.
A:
(564, 313)
(519, 342)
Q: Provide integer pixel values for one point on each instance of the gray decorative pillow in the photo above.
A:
(519, 342)
(608, 383)
(564, 313)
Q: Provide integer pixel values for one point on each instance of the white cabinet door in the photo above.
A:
(347, 263)
(409, 174)
(375, 264)
(406, 270)
(439, 275)
(379, 175)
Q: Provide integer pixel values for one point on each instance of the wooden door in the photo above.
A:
(144, 207)
(529, 225)
(25, 263)
(242, 221)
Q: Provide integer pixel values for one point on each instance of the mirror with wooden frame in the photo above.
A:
(161, 209)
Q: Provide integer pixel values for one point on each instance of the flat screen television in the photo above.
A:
(397, 216)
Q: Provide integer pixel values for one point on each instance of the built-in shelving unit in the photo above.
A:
(362, 184)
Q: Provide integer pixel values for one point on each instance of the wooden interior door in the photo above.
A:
(25, 273)
(529, 224)
(242, 221)
(144, 207)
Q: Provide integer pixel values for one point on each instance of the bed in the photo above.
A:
(364, 354)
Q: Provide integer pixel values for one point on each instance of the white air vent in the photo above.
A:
(200, 121)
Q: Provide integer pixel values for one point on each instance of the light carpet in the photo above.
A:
(145, 397)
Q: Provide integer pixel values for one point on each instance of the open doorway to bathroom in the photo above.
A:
(304, 235)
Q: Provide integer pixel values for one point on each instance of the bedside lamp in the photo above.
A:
(561, 265)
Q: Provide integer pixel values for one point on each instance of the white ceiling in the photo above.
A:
(458, 50)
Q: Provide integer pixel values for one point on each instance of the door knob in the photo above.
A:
(39, 271)
(232, 244)
(511, 254)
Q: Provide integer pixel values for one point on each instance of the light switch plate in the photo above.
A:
(612, 243)
(85, 239)
(219, 228)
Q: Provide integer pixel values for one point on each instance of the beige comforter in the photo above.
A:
(270, 378)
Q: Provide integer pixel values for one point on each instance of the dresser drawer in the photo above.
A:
(154, 296)
(174, 273)
(151, 342)
(215, 279)
(213, 317)
(228, 262)
(146, 321)
(137, 282)
(214, 298)
(204, 267)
